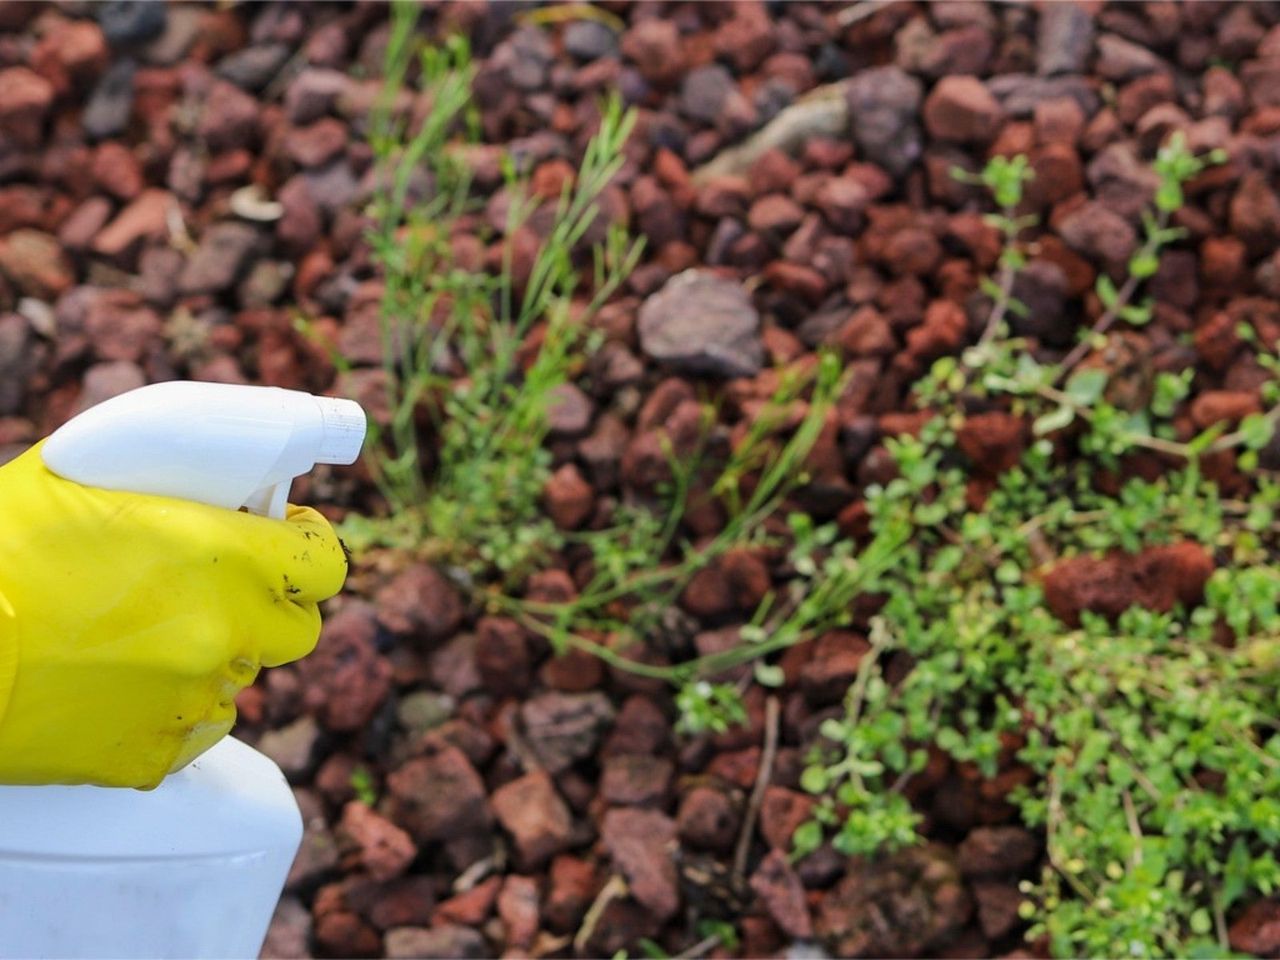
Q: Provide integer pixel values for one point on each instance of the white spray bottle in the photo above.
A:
(195, 867)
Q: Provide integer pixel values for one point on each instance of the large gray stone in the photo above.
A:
(701, 323)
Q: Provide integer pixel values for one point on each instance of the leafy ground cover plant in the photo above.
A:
(1150, 732)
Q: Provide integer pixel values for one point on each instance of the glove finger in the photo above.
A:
(301, 557)
(289, 634)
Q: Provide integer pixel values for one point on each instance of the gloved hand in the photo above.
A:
(128, 623)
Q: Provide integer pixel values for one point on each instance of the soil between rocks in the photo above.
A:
(143, 148)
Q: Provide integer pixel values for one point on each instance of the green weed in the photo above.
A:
(1152, 740)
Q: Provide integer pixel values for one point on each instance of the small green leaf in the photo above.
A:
(1086, 386)
(1107, 291)
(1135, 314)
(1201, 922)
(807, 838)
(1053, 421)
(1143, 265)
(814, 779)
(1169, 196)
(768, 674)
(990, 288)
(1257, 429)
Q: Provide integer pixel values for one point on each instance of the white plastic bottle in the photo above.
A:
(195, 867)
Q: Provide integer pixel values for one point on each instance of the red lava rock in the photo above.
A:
(989, 850)
(313, 93)
(993, 441)
(502, 655)
(942, 331)
(1157, 578)
(25, 98)
(640, 728)
(832, 666)
(562, 728)
(344, 934)
(1096, 231)
(569, 499)
(623, 921)
(223, 253)
(470, 907)
(746, 38)
(638, 780)
(775, 213)
(406, 902)
(884, 104)
(316, 144)
(103, 381)
(1223, 406)
(438, 796)
(640, 842)
(35, 263)
(867, 334)
(375, 843)
(781, 812)
(736, 768)
(117, 171)
(779, 889)
(420, 602)
(1217, 342)
(998, 905)
(301, 222)
(293, 746)
(913, 251)
(145, 217)
(533, 813)
(346, 680)
(1257, 930)
(289, 936)
(79, 229)
(574, 671)
(1255, 213)
(906, 904)
(518, 910)
(738, 580)
(569, 412)
(70, 52)
(708, 819)
(573, 886)
(229, 119)
(962, 110)
(447, 942)
(119, 326)
(654, 46)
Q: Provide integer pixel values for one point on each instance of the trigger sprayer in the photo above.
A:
(227, 445)
(193, 868)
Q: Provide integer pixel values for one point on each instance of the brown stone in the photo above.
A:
(537, 818)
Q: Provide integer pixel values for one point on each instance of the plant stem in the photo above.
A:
(1104, 323)
(763, 776)
(1004, 280)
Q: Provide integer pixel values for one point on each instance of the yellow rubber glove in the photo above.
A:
(129, 623)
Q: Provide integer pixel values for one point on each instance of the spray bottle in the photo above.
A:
(195, 867)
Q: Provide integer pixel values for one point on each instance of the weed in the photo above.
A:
(1152, 740)
(479, 508)
(453, 343)
(365, 788)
